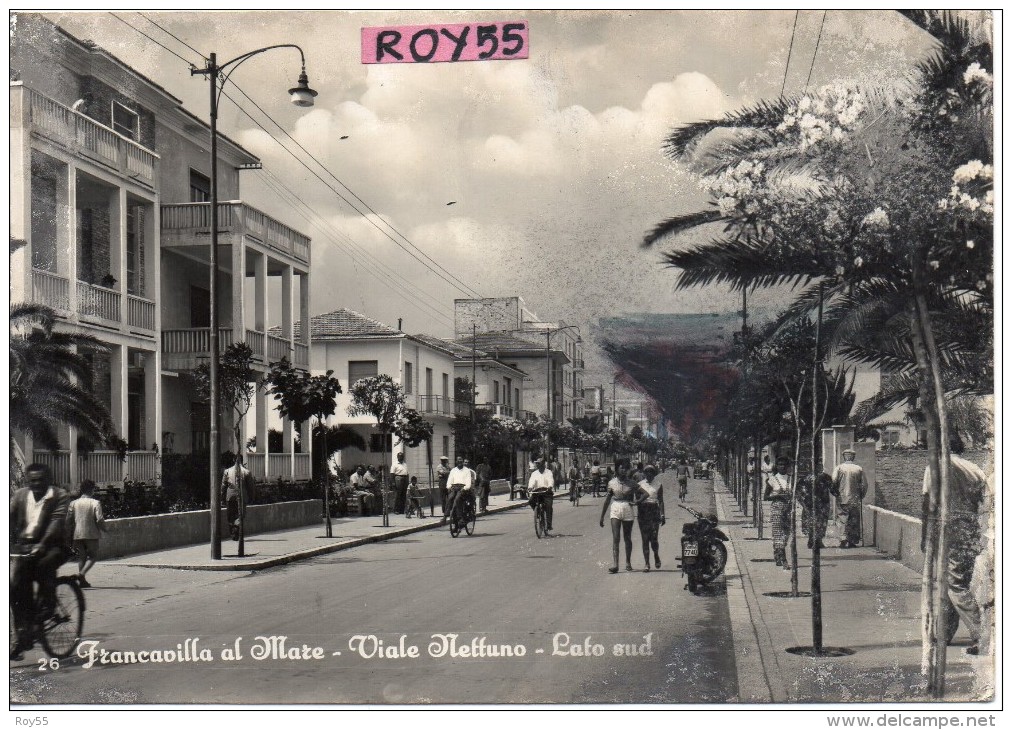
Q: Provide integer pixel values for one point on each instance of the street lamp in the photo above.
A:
(301, 96)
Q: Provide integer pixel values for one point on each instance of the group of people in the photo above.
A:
(634, 495)
(48, 525)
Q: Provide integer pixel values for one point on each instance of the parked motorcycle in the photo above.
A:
(703, 553)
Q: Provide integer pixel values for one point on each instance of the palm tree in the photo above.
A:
(50, 381)
(853, 190)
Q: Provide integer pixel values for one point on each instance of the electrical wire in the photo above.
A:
(790, 51)
(816, 51)
(396, 286)
(169, 32)
(446, 276)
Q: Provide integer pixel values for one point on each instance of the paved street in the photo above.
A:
(504, 585)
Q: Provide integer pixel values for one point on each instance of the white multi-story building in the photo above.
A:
(109, 190)
(354, 347)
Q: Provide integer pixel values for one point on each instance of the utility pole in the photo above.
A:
(474, 388)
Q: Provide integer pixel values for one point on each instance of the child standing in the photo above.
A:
(414, 499)
(89, 523)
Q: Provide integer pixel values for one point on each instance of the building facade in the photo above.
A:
(555, 387)
(110, 190)
(354, 346)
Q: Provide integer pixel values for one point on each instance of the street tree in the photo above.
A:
(302, 397)
(238, 384)
(854, 186)
(383, 399)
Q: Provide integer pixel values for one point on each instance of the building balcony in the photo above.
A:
(185, 349)
(96, 304)
(189, 224)
(437, 405)
(80, 135)
(499, 410)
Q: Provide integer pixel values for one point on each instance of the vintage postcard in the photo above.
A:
(504, 359)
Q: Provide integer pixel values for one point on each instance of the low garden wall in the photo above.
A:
(132, 535)
(896, 534)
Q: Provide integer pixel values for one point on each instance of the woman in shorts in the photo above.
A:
(618, 504)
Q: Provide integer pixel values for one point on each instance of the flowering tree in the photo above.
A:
(879, 201)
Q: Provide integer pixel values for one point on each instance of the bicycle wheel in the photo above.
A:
(539, 521)
(60, 634)
(470, 518)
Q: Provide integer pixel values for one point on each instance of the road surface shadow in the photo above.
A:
(94, 587)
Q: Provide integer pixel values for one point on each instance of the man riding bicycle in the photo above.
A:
(539, 488)
(38, 514)
(460, 482)
(574, 483)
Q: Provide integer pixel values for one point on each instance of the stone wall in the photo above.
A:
(900, 476)
(132, 535)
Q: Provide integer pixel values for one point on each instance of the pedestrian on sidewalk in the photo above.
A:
(87, 523)
(595, 478)
(649, 501)
(778, 492)
(850, 486)
(814, 521)
(618, 505)
(442, 474)
(236, 478)
(967, 492)
(414, 500)
(484, 473)
(399, 472)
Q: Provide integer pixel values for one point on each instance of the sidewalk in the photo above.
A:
(870, 608)
(269, 549)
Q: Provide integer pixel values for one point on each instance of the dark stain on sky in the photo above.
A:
(680, 360)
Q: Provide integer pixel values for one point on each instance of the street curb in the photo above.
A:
(322, 550)
(753, 681)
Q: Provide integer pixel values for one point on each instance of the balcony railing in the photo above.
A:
(102, 467)
(255, 340)
(58, 463)
(268, 467)
(195, 340)
(277, 348)
(302, 354)
(438, 405)
(79, 133)
(498, 410)
(97, 301)
(303, 467)
(140, 312)
(142, 466)
(50, 289)
(234, 217)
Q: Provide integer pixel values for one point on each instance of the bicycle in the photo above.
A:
(463, 516)
(540, 514)
(59, 632)
(575, 492)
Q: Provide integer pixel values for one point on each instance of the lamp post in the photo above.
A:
(301, 96)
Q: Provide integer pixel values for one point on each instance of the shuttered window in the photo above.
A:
(358, 369)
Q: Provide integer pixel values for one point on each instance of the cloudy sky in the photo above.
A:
(553, 163)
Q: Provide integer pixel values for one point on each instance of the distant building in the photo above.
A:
(510, 316)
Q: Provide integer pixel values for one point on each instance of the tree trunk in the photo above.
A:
(796, 412)
(242, 497)
(934, 580)
(383, 477)
(326, 479)
(813, 519)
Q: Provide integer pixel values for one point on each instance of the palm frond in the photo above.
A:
(739, 263)
(679, 224)
(762, 115)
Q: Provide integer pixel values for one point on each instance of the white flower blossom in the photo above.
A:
(934, 264)
(859, 262)
(970, 244)
(877, 217)
(974, 73)
(969, 171)
(840, 271)
(726, 205)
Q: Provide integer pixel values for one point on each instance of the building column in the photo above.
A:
(75, 465)
(260, 292)
(287, 309)
(72, 245)
(21, 200)
(261, 425)
(153, 407)
(118, 254)
(304, 308)
(119, 357)
(288, 445)
(239, 290)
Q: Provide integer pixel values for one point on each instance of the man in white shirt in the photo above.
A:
(542, 479)
(460, 480)
(360, 489)
(399, 472)
(850, 486)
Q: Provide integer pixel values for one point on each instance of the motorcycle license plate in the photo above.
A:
(690, 550)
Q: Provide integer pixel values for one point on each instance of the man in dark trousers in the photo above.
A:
(850, 486)
(484, 472)
(399, 472)
(38, 516)
(442, 473)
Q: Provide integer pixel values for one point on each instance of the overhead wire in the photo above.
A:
(442, 273)
(398, 287)
(815, 53)
(790, 51)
